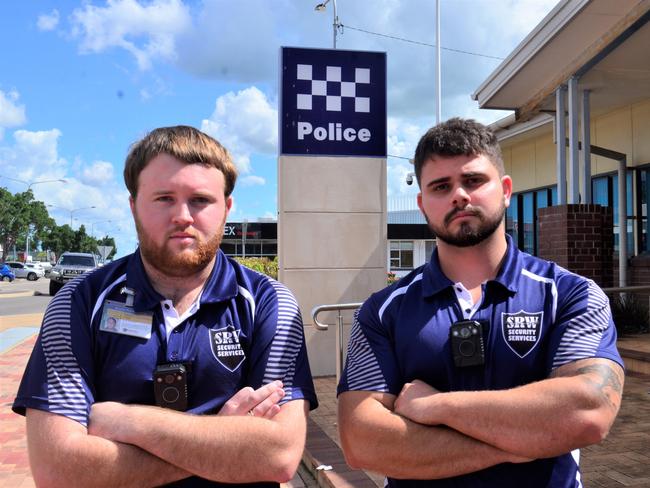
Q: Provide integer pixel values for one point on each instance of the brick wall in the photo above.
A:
(579, 238)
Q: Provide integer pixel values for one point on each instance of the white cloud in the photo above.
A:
(48, 22)
(239, 41)
(148, 32)
(99, 173)
(245, 123)
(11, 113)
(33, 156)
(253, 180)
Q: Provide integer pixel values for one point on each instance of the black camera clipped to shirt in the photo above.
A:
(466, 338)
(170, 386)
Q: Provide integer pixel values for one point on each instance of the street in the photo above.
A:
(24, 297)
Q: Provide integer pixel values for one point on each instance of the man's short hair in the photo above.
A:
(458, 137)
(184, 143)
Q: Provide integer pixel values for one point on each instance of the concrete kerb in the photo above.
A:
(18, 294)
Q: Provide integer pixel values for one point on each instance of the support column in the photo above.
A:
(574, 195)
(560, 128)
(585, 125)
(622, 222)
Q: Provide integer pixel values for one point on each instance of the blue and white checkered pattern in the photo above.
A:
(333, 101)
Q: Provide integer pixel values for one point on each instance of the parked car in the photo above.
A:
(6, 274)
(69, 266)
(26, 270)
(46, 265)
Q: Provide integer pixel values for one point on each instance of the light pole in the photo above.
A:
(321, 7)
(72, 210)
(32, 183)
(29, 187)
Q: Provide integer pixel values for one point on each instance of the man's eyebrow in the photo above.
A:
(437, 181)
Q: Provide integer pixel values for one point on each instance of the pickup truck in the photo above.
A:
(69, 266)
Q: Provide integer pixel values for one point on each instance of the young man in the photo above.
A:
(486, 367)
(198, 333)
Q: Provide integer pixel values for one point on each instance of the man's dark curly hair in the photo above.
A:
(458, 137)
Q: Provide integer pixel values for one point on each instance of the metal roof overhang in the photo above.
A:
(606, 43)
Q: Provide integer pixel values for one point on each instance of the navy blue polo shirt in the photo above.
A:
(245, 330)
(536, 317)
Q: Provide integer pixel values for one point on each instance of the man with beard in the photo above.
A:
(486, 367)
(198, 333)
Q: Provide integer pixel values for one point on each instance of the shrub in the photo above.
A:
(266, 266)
(391, 278)
(630, 313)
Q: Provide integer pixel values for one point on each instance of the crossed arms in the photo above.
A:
(425, 434)
(135, 445)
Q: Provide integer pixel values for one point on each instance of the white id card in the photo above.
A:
(119, 318)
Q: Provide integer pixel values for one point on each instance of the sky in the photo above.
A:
(80, 81)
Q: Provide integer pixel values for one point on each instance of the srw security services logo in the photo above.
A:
(226, 347)
(333, 102)
(522, 330)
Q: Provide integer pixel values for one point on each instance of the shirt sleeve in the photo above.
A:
(278, 350)
(58, 375)
(371, 364)
(584, 327)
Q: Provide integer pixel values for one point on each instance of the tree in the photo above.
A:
(21, 215)
(60, 239)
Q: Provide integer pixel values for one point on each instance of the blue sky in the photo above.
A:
(82, 80)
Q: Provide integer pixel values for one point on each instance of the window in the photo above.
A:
(401, 254)
(521, 217)
(604, 190)
(643, 191)
(429, 246)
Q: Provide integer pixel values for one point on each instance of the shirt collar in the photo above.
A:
(434, 280)
(221, 284)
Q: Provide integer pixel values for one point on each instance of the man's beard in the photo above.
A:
(177, 264)
(468, 234)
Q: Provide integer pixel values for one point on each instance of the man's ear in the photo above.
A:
(506, 184)
(132, 205)
(229, 202)
(419, 200)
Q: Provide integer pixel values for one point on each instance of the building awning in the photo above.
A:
(604, 42)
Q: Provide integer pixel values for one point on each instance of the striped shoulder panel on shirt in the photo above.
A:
(287, 341)
(550, 281)
(362, 371)
(65, 388)
(362, 368)
(584, 333)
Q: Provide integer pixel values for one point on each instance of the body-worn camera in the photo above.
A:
(170, 386)
(466, 338)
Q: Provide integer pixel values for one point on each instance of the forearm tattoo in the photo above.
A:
(604, 378)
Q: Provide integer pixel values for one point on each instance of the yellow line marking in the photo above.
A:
(24, 320)
(18, 294)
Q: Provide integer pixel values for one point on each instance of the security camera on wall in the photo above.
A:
(409, 179)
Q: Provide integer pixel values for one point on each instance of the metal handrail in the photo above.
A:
(338, 307)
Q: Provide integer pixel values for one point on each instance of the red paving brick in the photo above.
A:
(14, 464)
(623, 459)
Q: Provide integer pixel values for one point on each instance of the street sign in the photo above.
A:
(104, 251)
